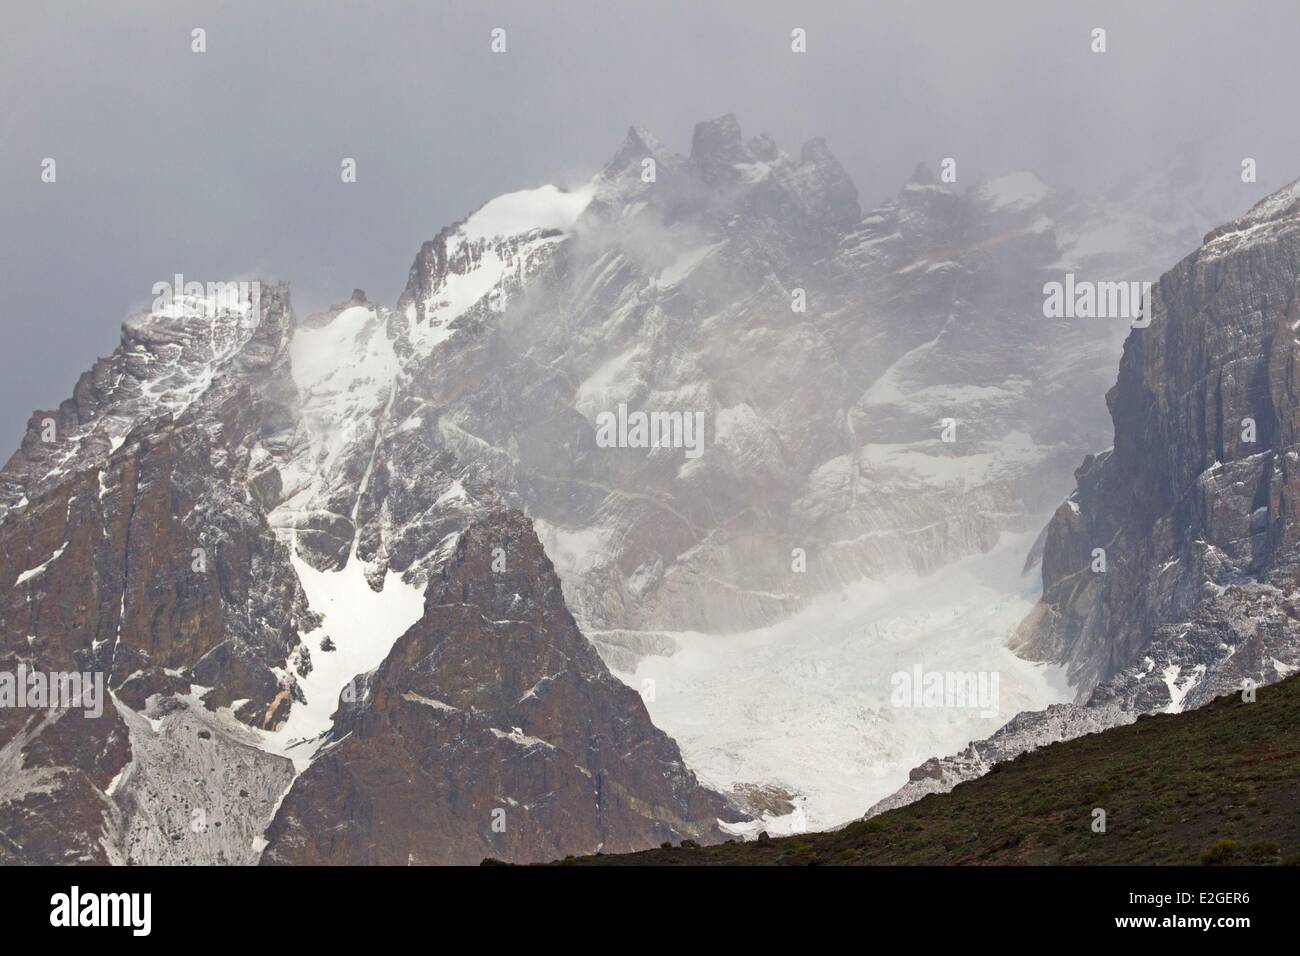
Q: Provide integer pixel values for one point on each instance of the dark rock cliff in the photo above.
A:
(1195, 506)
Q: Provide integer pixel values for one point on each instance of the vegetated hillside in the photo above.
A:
(1216, 785)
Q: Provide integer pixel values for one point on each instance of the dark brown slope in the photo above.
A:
(1219, 784)
(492, 729)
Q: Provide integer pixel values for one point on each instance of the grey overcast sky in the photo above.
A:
(226, 164)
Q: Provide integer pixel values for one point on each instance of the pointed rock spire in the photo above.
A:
(717, 146)
(923, 175)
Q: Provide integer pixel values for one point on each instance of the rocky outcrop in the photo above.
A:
(492, 729)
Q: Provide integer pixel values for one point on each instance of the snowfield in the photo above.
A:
(806, 704)
(512, 214)
(363, 624)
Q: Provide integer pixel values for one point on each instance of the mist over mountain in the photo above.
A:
(230, 167)
(293, 543)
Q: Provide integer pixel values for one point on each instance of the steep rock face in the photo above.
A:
(1195, 504)
(133, 548)
(1194, 508)
(134, 539)
(492, 729)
